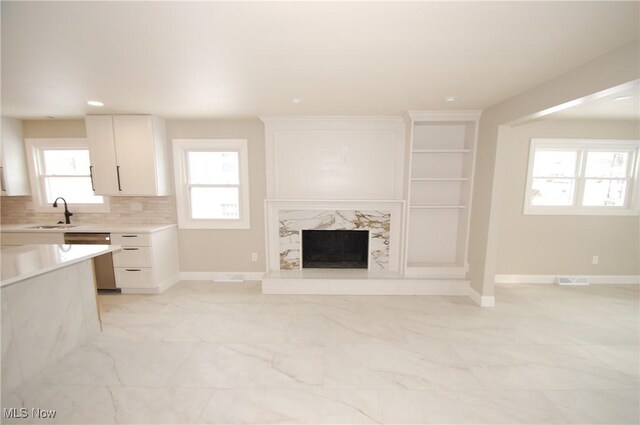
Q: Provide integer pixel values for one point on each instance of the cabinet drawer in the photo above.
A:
(131, 239)
(139, 256)
(134, 277)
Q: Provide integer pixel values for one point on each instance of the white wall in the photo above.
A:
(335, 158)
(552, 244)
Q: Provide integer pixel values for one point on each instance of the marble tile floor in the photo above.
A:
(225, 353)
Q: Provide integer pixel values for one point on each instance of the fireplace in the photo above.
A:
(335, 249)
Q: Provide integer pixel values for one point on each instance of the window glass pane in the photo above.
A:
(604, 193)
(552, 192)
(552, 163)
(75, 190)
(66, 162)
(215, 203)
(213, 167)
(607, 164)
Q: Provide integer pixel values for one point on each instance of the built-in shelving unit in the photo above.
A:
(440, 182)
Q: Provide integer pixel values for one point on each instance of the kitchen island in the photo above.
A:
(49, 305)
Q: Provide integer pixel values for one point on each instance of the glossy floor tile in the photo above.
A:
(214, 353)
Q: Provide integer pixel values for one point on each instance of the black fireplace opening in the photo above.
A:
(335, 249)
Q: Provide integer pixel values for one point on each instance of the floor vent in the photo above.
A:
(229, 278)
(572, 280)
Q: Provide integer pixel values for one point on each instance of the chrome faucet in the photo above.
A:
(67, 213)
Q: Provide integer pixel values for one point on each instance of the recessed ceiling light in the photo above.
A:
(625, 97)
(296, 100)
(450, 99)
(95, 103)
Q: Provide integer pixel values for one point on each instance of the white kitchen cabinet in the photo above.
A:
(128, 155)
(148, 262)
(14, 178)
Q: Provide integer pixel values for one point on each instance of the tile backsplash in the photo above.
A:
(156, 210)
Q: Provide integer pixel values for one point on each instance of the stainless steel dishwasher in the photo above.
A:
(103, 264)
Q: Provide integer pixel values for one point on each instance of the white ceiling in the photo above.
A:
(236, 59)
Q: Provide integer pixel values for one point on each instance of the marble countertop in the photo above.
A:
(22, 262)
(82, 228)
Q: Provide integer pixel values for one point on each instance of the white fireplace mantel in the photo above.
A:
(282, 240)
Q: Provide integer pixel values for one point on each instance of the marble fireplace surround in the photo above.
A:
(287, 218)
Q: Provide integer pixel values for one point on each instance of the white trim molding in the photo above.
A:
(346, 138)
(551, 279)
(481, 300)
(456, 115)
(274, 207)
(581, 148)
(181, 147)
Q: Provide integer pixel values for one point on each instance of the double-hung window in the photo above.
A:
(212, 179)
(582, 177)
(61, 168)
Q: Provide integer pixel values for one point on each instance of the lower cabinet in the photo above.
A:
(148, 262)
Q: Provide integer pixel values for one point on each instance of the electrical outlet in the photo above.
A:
(254, 256)
(135, 206)
(595, 259)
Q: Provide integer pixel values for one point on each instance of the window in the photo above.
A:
(582, 177)
(61, 168)
(211, 183)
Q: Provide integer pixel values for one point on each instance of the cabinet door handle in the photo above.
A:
(91, 176)
(2, 185)
(129, 249)
(129, 236)
(118, 172)
(133, 270)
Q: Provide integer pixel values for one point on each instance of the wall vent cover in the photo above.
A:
(572, 280)
(224, 277)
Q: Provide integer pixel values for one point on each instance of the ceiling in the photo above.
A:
(239, 59)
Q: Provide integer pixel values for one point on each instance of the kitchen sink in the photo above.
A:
(52, 226)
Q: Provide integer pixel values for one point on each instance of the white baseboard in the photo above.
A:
(551, 279)
(219, 276)
(481, 300)
(168, 283)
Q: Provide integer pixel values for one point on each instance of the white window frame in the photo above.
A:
(40, 203)
(180, 149)
(582, 146)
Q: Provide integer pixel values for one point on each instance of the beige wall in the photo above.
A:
(200, 250)
(227, 250)
(552, 245)
(17, 209)
(53, 128)
(615, 68)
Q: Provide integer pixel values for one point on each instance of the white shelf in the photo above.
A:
(441, 151)
(448, 207)
(440, 179)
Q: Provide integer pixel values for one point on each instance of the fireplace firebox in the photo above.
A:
(335, 249)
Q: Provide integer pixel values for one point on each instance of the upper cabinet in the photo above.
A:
(14, 178)
(128, 155)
